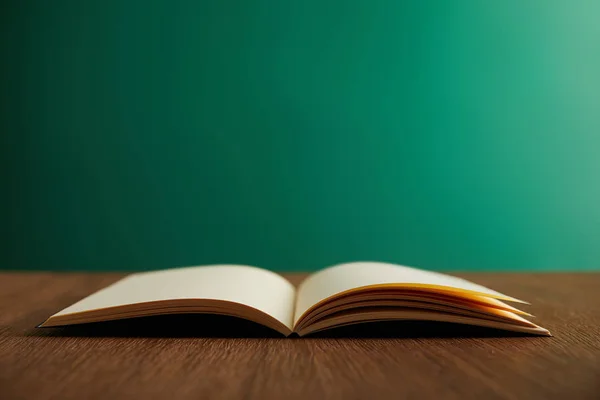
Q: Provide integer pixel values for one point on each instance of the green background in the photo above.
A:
(297, 134)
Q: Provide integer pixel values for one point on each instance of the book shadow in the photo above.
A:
(219, 326)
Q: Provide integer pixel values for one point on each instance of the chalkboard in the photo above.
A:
(297, 134)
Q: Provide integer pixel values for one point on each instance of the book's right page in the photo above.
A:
(347, 277)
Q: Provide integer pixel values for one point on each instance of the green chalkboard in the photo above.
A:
(297, 134)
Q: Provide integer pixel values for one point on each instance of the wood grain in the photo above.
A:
(193, 357)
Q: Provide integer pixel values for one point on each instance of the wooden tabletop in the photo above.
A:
(180, 357)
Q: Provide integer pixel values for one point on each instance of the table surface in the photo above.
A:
(197, 357)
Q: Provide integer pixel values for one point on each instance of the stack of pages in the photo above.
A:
(341, 295)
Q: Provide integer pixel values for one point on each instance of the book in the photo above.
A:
(340, 295)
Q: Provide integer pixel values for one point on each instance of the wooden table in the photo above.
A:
(175, 358)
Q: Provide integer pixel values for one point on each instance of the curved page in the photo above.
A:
(345, 277)
(254, 287)
(418, 315)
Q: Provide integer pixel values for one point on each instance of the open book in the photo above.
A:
(336, 296)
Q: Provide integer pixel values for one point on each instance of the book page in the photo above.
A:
(345, 277)
(254, 287)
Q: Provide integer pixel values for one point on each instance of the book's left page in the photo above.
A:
(247, 292)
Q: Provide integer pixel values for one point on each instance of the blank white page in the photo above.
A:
(341, 278)
(258, 288)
